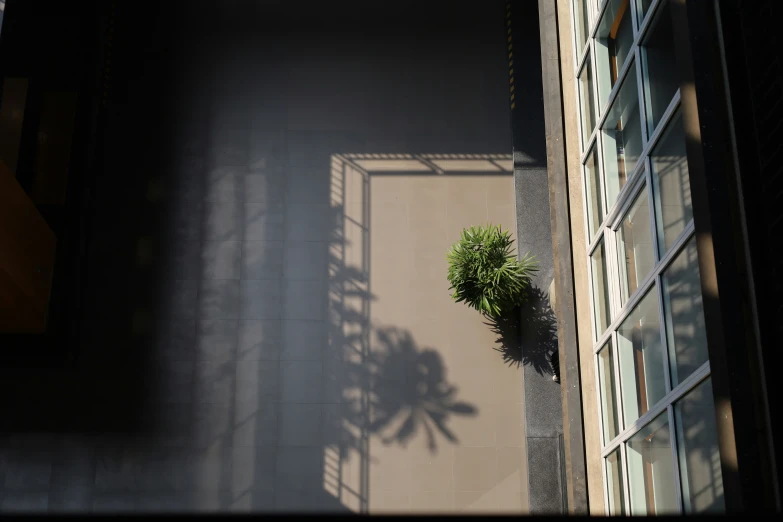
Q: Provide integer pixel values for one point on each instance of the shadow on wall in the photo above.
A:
(528, 334)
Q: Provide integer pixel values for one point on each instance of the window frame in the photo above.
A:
(640, 178)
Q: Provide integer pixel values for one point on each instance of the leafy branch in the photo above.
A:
(485, 273)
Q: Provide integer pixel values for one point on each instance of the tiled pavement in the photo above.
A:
(268, 325)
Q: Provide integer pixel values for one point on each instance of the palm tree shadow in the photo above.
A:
(407, 392)
(427, 400)
(527, 334)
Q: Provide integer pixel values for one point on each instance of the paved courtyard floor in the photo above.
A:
(268, 324)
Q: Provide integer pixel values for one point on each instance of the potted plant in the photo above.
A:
(484, 271)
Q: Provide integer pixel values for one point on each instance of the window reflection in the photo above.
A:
(639, 74)
(699, 456)
(634, 246)
(672, 189)
(684, 313)
(581, 23)
(614, 479)
(641, 359)
(613, 45)
(660, 68)
(587, 103)
(622, 138)
(651, 470)
(606, 380)
(642, 8)
(595, 212)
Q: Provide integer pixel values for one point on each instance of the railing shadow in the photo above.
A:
(387, 387)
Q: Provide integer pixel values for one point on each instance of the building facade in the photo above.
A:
(658, 222)
(222, 270)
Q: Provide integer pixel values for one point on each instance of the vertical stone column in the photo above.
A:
(538, 332)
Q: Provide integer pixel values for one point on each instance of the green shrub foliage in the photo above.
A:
(485, 273)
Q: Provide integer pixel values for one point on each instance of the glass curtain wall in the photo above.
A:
(659, 444)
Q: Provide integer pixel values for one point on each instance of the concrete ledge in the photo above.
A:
(542, 403)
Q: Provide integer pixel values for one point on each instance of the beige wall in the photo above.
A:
(578, 245)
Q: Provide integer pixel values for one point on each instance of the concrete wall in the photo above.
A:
(542, 397)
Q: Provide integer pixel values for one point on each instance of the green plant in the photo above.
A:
(485, 273)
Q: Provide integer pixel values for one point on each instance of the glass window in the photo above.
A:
(684, 314)
(595, 206)
(587, 101)
(581, 24)
(600, 289)
(660, 67)
(697, 444)
(651, 470)
(614, 483)
(608, 388)
(671, 185)
(613, 43)
(627, 81)
(642, 8)
(622, 138)
(634, 246)
(640, 358)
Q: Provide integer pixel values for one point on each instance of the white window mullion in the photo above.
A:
(574, 52)
(599, 14)
(599, 143)
(645, 90)
(648, 16)
(614, 274)
(618, 393)
(651, 208)
(589, 240)
(675, 459)
(606, 486)
(664, 340)
(626, 198)
(626, 482)
(673, 396)
(634, 19)
(637, 53)
(685, 497)
(599, 399)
